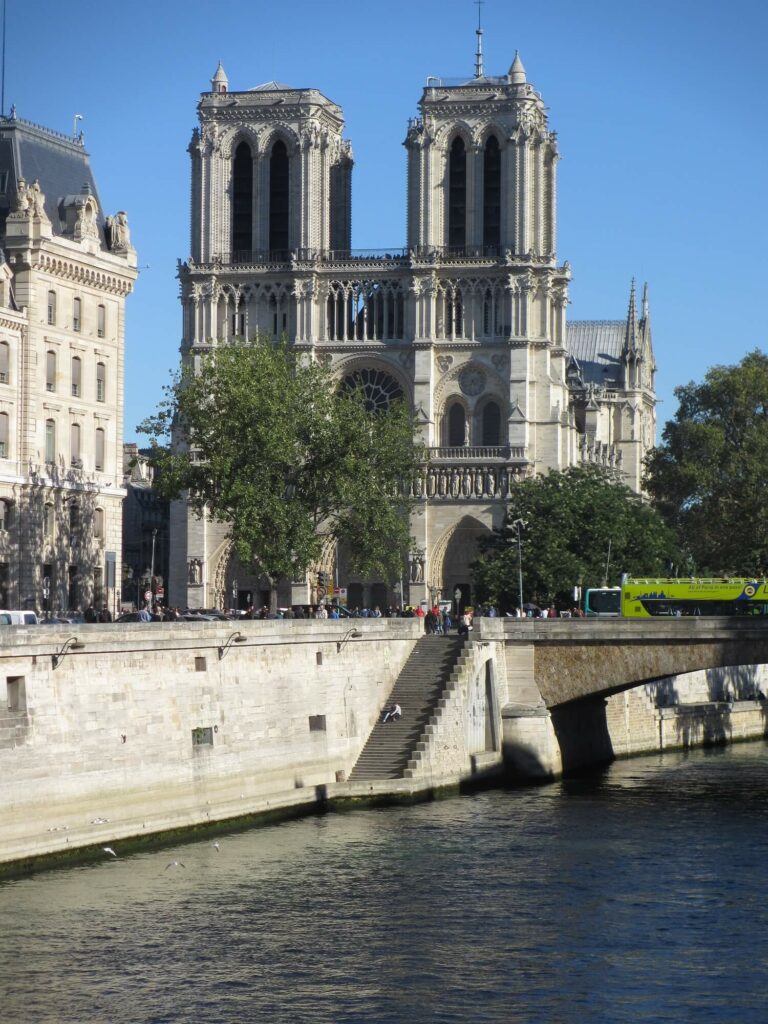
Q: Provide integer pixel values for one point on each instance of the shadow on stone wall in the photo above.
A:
(709, 722)
(582, 732)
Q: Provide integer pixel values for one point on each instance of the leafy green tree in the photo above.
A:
(708, 476)
(571, 518)
(274, 449)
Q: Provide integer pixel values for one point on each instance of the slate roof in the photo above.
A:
(59, 162)
(597, 345)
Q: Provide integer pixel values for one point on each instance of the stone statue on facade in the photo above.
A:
(195, 572)
(118, 232)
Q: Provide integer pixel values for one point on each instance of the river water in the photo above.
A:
(633, 894)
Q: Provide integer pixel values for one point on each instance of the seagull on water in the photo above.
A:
(175, 864)
(110, 851)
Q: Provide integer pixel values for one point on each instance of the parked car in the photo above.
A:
(18, 618)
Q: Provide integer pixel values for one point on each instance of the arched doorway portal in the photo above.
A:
(460, 548)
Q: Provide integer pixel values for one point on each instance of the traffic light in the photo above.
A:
(322, 578)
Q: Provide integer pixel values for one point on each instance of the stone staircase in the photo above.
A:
(418, 690)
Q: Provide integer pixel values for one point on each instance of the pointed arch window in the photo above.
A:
(492, 193)
(492, 425)
(279, 192)
(242, 199)
(457, 425)
(457, 194)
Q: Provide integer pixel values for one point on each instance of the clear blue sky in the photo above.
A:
(660, 107)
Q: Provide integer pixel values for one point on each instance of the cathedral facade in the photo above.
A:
(65, 272)
(467, 323)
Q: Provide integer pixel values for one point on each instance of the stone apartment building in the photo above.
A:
(467, 322)
(65, 272)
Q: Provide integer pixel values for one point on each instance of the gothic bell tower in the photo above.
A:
(270, 173)
(481, 168)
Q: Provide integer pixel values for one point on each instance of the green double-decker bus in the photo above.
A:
(644, 598)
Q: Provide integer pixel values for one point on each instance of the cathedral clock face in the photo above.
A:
(472, 381)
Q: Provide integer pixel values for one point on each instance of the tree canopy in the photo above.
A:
(708, 476)
(571, 518)
(274, 449)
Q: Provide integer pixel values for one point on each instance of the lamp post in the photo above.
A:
(518, 525)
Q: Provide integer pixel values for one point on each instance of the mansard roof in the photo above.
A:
(597, 347)
(59, 162)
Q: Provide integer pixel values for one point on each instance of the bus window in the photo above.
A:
(602, 601)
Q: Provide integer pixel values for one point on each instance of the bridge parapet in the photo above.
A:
(575, 659)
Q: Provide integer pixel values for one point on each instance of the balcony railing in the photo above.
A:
(431, 253)
(466, 453)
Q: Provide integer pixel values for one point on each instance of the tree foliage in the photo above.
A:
(273, 449)
(708, 476)
(570, 519)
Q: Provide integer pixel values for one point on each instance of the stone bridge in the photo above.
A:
(573, 659)
(559, 674)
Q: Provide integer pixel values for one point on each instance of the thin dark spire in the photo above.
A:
(479, 33)
(2, 89)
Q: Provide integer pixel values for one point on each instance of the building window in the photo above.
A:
(202, 736)
(77, 374)
(491, 425)
(101, 323)
(48, 521)
(377, 389)
(4, 448)
(51, 308)
(242, 200)
(5, 362)
(201, 665)
(74, 517)
(99, 446)
(50, 371)
(457, 194)
(101, 382)
(50, 440)
(74, 445)
(76, 314)
(5, 515)
(238, 324)
(279, 191)
(72, 588)
(317, 723)
(98, 523)
(492, 192)
(457, 420)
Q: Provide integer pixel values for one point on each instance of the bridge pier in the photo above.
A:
(529, 744)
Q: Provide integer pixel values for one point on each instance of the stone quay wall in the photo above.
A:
(147, 728)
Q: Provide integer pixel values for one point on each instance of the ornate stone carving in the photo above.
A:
(118, 232)
(444, 363)
(195, 572)
(499, 362)
(472, 380)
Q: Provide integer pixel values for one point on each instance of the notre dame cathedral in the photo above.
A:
(467, 323)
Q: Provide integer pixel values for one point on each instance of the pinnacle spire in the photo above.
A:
(517, 71)
(632, 317)
(645, 301)
(220, 82)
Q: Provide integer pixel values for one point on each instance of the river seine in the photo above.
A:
(633, 894)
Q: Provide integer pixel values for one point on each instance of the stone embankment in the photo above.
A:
(111, 735)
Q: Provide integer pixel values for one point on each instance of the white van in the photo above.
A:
(18, 618)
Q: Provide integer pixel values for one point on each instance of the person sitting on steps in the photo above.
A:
(394, 712)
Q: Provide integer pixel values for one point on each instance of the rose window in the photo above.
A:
(378, 389)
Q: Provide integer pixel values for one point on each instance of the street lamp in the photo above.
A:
(519, 525)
